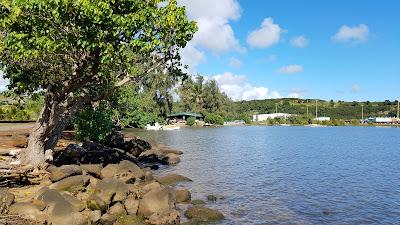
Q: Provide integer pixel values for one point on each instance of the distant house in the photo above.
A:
(265, 117)
(183, 116)
(321, 119)
(383, 120)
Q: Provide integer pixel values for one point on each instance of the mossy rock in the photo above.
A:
(198, 202)
(130, 220)
(200, 213)
(212, 198)
(171, 179)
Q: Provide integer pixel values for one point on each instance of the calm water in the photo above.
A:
(292, 175)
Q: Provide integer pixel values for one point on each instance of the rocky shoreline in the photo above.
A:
(112, 184)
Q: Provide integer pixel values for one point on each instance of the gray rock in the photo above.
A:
(28, 210)
(76, 203)
(157, 200)
(131, 205)
(172, 179)
(182, 196)
(150, 186)
(171, 159)
(198, 202)
(168, 217)
(74, 183)
(6, 199)
(92, 169)
(113, 214)
(94, 202)
(126, 171)
(201, 213)
(110, 189)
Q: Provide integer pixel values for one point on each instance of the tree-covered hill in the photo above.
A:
(333, 109)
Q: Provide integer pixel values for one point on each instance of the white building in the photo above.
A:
(321, 119)
(265, 117)
(383, 120)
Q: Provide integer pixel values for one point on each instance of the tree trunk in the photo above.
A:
(48, 129)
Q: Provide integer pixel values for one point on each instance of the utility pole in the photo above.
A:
(398, 109)
(276, 108)
(362, 113)
(316, 109)
(307, 107)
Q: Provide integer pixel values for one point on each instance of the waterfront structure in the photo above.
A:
(323, 118)
(265, 117)
(383, 120)
(181, 117)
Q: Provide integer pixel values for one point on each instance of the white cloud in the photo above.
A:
(290, 69)
(299, 41)
(355, 34)
(214, 33)
(3, 82)
(238, 88)
(234, 62)
(267, 35)
(294, 95)
(355, 88)
(192, 56)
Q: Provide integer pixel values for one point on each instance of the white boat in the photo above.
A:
(156, 126)
(171, 127)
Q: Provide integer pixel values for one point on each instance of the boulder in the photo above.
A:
(28, 211)
(74, 183)
(201, 213)
(72, 154)
(50, 196)
(182, 196)
(150, 186)
(157, 200)
(126, 171)
(113, 214)
(152, 156)
(171, 159)
(94, 202)
(76, 203)
(115, 139)
(92, 169)
(110, 189)
(168, 217)
(212, 198)
(6, 199)
(59, 173)
(131, 205)
(198, 202)
(92, 216)
(129, 220)
(136, 146)
(172, 179)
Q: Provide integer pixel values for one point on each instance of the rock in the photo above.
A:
(59, 173)
(212, 198)
(167, 150)
(168, 217)
(150, 186)
(92, 216)
(131, 205)
(76, 203)
(110, 189)
(50, 196)
(136, 146)
(148, 175)
(70, 155)
(74, 183)
(92, 169)
(172, 179)
(6, 199)
(28, 210)
(125, 171)
(152, 156)
(115, 139)
(201, 213)
(171, 159)
(48, 155)
(129, 220)
(113, 214)
(182, 196)
(94, 202)
(198, 202)
(157, 200)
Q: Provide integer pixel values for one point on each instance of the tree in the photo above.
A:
(79, 51)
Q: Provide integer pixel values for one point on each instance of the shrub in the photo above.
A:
(190, 121)
(214, 119)
(93, 123)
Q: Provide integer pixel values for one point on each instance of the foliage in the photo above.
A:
(20, 108)
(202, 96)
(93, 123)
(213, 118)
(191, 121)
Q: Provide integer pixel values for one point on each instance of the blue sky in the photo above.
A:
(341, 50)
